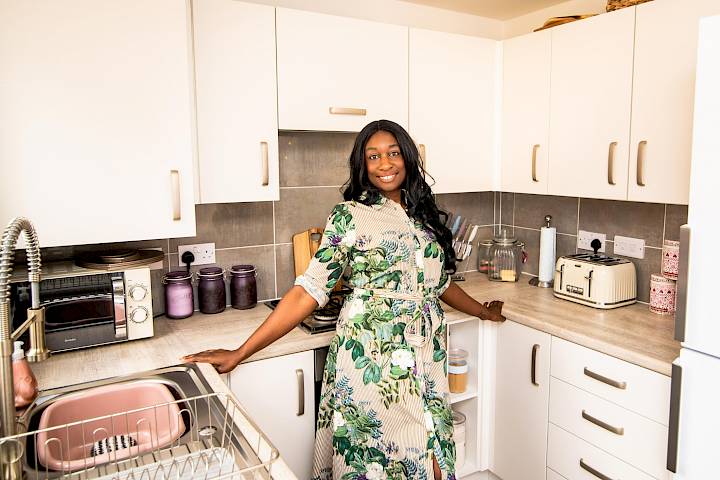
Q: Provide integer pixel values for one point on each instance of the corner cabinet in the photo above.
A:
(453, 85)
(96, 119)
(236, 101)
(337, 73)
(522, 397)
(279, 395)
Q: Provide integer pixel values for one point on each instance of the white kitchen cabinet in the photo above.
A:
(279, 395)
(453, 86)
(338, 74)
(526, 113)
(236, 101)
(96, 121)
(521, 402)
(592, 64)
(662, 99)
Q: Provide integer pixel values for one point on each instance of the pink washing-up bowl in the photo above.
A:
(144, 412)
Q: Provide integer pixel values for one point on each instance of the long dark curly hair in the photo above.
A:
(417, 195)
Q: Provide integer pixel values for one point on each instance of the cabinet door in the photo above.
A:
(338, 74)
(662, 99)
(521, 402)
(526, 113)
(452, 108)
(591, 83)
(236, 101)
(96, 121)
(279, 395)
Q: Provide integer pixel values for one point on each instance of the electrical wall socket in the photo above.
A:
(585, 238)
(629, 247)
(204, 253)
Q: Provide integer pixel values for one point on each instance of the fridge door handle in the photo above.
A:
(682, 284)
(674, 423)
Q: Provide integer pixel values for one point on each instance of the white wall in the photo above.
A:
(527, 23)
(400, 13)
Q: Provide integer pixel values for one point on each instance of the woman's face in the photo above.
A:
(385, 164)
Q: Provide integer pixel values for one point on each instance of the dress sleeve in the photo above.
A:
(329, 262)
(444, 282)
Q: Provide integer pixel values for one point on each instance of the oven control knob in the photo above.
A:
(139, 315)
(138, 292)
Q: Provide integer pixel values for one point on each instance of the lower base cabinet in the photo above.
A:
(278, 394)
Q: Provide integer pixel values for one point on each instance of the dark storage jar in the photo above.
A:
(179, 301)
(243, 287)
(211, 289)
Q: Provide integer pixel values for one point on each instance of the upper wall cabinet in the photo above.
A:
(96, 119)
(338, 74)
(663, 93)
(592, 64)
(236, 101)
(453, 85)
(526, 113)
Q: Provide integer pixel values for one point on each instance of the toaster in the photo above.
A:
(595, 280)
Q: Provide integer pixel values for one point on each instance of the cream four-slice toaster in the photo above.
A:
(595, 280)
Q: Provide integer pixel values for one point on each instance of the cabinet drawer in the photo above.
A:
(553, 475)
(637, 440)
(635, 388)
(566, 452)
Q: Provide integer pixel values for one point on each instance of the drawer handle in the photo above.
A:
(601, 424)
(611, 163)
(592, 471)
(347, 111)
(175, 192)
(533, 170)
(603, 379)
(423, 157)
(265, 164)
(301, 391)
(533, 365)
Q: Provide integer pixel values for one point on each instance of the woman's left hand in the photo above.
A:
(493, 311)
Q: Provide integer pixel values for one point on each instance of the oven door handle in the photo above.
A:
(119, 309)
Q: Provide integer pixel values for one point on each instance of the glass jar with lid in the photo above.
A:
(507, 255)
(484, 255)
(243, 287)
(211, 289)
(457, 370)
(459, 437)
(179, 301)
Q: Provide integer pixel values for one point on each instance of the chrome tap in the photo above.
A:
(35, 318)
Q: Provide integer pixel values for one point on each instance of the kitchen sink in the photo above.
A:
(166, 417)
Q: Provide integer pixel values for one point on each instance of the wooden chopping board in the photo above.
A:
(305, 245)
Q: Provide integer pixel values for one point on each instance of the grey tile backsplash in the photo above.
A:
(313, 167)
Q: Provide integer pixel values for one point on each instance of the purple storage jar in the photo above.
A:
(211, 289)
(179, 301)
(243, 287)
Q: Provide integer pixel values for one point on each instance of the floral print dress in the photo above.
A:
(384, 408)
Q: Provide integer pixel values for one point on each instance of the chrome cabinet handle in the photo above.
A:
(600, 423)
(611, 162)
(592, 471)
(347, 111)
(682, 283)
(640, 164)
(674, 423)
(604, 379)
(301, 391)
(533, 365)
(534, 162)
(265, 163)
(423, 156)
(175, 192)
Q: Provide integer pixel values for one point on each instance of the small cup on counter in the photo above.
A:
(457, 370)
(662, 295)
(179, 301)
(243, 287)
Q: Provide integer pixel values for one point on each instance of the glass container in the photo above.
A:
(459, 437)
(243, 287)
(211, 289)
(484, 255)
(457, 370)
(506, 258)
(179, 302)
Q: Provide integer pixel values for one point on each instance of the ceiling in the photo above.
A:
(497, 9)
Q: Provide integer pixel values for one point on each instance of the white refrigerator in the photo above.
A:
(694, 437)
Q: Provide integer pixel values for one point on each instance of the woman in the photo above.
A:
(384, 410)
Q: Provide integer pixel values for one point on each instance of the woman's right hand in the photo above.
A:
(224, 361)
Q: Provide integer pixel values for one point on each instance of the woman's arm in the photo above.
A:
(459, 300)
(292, 309)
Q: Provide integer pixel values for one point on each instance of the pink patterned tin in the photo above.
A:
(670, 259)
(662, 295)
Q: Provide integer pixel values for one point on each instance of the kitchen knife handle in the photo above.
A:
(592, 471)
(674, 423)
(611, 162)
(534, 162)
(533, 365)
(682, 283)
(347, 111)
(423, 156)
(601, 424)
(604, 379)
(175, 192)
(264, 158)
(300, 374)
(639, 174)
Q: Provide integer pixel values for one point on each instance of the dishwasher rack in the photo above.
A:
(219, 442)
